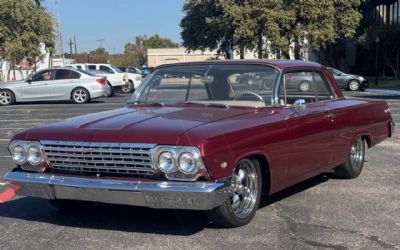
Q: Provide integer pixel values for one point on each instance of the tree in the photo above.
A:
(99, 51)
(142, 43)
(23, 26)
(267, 25)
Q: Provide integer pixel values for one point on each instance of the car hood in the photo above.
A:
(11, 84)
(133, 124)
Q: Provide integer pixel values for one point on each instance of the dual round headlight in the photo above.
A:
(186, 160)
(23, 153)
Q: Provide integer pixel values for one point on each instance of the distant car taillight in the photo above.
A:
(101, 81)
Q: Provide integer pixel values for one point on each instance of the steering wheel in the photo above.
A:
(249, 93)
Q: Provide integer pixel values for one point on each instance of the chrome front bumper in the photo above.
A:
(154, 194)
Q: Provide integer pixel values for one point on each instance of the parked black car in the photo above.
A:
(348, 81)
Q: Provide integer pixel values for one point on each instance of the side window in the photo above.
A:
(79, 67)
(307, 85)
(106, 69)
(66, 74)
(91, 67)
(43, 76)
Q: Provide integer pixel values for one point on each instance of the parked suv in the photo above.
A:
(116, 79)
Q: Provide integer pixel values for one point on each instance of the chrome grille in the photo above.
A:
(110, 158)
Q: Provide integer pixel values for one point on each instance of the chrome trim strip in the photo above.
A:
(98, 144)
(154, 194)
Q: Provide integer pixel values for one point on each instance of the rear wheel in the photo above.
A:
(128, 88)
(354, 163)
(6, 97)
(80, 95)
(110, 90)
(245, 193)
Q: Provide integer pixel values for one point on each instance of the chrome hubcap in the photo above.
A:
(356, 154)
(5, 98)
(244, 189)
(353, 85)
(80, 96)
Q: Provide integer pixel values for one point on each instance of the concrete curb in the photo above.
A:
(384, 91)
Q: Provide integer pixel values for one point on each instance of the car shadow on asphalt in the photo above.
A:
(130, 219)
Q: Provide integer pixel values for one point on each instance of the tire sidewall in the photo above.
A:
(111, 93)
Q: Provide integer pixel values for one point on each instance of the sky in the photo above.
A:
(117, 21)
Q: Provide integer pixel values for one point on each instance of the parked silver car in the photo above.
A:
(54, 85)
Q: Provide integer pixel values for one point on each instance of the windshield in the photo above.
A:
(244, 85)
(116, 69)
(335, 71)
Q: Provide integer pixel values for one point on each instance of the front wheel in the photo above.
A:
(354, 163)
(6, 97)
(245, 193)
(80, 95)
(354, 85)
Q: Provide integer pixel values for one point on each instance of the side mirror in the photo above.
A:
(300, 105)
(28, 80)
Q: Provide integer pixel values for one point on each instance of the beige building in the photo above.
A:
(157, 57)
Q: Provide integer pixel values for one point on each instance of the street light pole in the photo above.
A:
(376, 60)
(88, 54)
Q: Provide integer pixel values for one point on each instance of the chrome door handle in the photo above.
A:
(330, 116)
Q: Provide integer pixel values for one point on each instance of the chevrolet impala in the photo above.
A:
(197, 136)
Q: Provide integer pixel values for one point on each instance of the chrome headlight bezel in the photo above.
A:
(179, 172)
(28, 164)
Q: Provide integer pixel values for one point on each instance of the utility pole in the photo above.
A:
(100, 42)
(75, 45)
(70, 47)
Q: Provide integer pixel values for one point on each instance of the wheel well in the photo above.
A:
(12, 92)
(367, 139)
(265, 171)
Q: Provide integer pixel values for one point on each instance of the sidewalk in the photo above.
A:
(384, 91)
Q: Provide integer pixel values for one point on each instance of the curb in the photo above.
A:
(384, 91)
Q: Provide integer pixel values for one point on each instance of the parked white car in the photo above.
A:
(55, 85)
(116, 78)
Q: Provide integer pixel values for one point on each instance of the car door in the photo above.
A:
(63, 84)
(37, 88)
(311, 130)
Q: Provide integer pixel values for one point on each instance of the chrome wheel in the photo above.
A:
(5, 98)
(80, 96)
(244, 189)
(354, 85)
(357, 154)
(305, 86)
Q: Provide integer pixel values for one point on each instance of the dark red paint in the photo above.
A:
(296, 146)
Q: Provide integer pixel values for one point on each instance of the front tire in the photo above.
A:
(354, 85)
(245, 195)
(354, 163)
(6, 97)
(80, 96)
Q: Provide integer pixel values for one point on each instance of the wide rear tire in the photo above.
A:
(110, 90)
(354, 163)
(245, 194)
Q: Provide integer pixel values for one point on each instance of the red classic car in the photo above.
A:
(199, 136)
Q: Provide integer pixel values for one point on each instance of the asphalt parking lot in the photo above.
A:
(319, 213)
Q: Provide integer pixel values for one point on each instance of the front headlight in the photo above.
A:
(361, 79)
(34, 155)
(166, 162)
(28, 155)
(19, 154)
(178, 162)
(188, 162)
